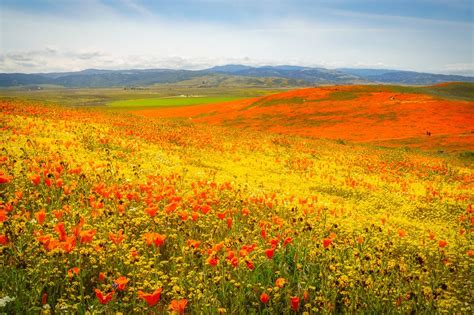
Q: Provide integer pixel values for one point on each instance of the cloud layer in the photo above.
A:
(73, 35)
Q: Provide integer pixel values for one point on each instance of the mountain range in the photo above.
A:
(302, 75)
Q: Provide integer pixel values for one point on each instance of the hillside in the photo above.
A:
(437, 117)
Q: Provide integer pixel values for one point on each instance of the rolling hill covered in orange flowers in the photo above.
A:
(383, 115)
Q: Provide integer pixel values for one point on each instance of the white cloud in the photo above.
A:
(109, 40)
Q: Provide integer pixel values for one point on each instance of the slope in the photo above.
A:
(435, 117)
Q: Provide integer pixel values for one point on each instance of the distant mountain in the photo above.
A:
(364, 72)
(99, 78)
(404, 77)
(310, 76)
(228, 68)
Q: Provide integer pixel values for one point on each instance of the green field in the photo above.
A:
(169, 102)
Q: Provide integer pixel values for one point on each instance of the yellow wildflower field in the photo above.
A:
(106, 212)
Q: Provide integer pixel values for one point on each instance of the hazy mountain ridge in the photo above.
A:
(135, 77)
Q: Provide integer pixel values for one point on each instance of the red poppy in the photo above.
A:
(104, 299)
(222, 215)
(250, 264)
(442, 243)
(35, 179)
(270, 252)
(327, 242)
(264, 298)
(295, 303)
(102, 276)
(213, 261)
(3, 239)
(151, 298)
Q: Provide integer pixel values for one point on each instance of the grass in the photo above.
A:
(97, 97)
(455, 90)
(168, 102)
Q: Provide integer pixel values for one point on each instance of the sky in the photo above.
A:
(69, 35)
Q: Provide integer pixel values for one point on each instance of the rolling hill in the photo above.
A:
(437, 117)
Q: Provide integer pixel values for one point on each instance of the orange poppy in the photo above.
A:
(432, 235)
(154, 238)
(35, 179)
(117, 238)
(4, 179)
(306, 295)
(59, 228)
(104, 299)
(402, 233)
(280, 282)
(40, 216)
(178, 306)
(3, 216)
(151, 298)
(86, 236)
(73, 271)
(121, 282)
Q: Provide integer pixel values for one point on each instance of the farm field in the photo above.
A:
(108, 211)
(168, 102)
(101, 97)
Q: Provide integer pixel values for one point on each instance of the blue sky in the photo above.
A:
(64, 35)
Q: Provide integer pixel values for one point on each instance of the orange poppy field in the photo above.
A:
(319, 200)
(379, 115)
